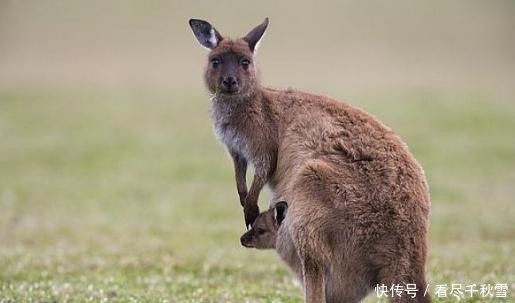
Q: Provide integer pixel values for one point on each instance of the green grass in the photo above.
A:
(122, 197)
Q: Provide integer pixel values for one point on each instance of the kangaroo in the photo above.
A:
(341, 280)
(349, 180)
(264, 234)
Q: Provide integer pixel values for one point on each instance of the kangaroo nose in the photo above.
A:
(229, 81)
(245, 240)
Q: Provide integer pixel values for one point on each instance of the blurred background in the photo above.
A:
(114, 188)
(337, 46)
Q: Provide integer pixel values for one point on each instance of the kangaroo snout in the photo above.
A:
(229, 84)
(246, 240)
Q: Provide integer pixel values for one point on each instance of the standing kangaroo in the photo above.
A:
(347, 177)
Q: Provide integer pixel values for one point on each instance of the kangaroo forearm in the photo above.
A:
(251, 208)
(241, 185)
(240, 172)
(255, 189)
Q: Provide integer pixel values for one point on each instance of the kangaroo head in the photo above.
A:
(263, 232)
(230, 70)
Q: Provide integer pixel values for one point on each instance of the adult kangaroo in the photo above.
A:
(347, 177)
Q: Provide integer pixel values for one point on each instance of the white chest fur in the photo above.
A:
(227, 132)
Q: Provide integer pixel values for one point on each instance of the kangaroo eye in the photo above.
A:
(260, 231)
(245, 63)
(215, 62)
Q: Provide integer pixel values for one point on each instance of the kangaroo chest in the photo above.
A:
(234, 139)
(230, 133)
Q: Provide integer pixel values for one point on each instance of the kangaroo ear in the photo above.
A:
(280, 211)
(255, 35)
(205, 33)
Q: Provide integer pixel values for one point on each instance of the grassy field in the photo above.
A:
(114, 189)
(110, 196)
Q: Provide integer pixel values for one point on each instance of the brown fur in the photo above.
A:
(263, 235)
(358, 200)
(342, 284)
